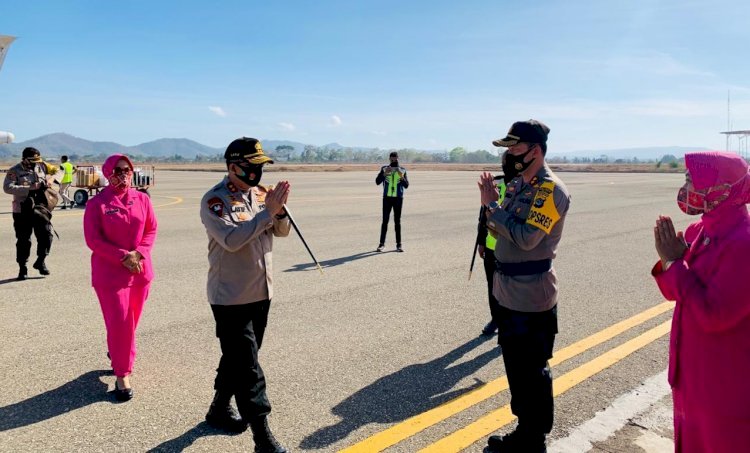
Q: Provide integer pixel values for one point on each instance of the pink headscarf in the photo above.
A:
(109, 165)
(714, 168)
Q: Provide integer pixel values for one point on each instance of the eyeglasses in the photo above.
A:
(123, 171)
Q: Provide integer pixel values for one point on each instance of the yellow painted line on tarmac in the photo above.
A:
(483, 427)
(175, 200)
(418, 423)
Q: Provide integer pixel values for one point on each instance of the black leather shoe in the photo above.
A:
(40, 266)
(489, 329)
(517, 442)
(221, 415)
(263, 438)
(22, 273)
(123, 394)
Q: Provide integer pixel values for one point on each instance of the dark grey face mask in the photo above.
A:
(251, 174)
(517, 163)
(509, 171)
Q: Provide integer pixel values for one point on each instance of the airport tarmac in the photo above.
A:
(381, 352)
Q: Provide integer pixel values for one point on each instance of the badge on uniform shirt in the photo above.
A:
(543, 213)
(111, 211)
(260, 193)
(216, 206)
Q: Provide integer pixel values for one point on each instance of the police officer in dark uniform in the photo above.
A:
(27, 181)
(528, 226)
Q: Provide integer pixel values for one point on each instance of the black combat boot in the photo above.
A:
(264, 440)
(221, 415)
(40, 266)
(22, 272)
(517, 442)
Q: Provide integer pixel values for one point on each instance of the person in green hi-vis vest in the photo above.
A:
(67, 180)
(394, 180)
(486, 243)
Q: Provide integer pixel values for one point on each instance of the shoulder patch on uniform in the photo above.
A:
(216, 206)
(260, 196)
(543, 213)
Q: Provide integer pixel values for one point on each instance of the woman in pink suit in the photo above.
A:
(120, 229)
(706, 271)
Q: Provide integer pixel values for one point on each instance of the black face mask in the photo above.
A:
(517, 163)
(509, 171)
(251, 174)
(394, 164)
(27, 164)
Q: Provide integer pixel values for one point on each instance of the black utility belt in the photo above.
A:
(523, 268)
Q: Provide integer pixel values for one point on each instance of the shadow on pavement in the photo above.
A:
(187, 439)
(80, 392)
(335, 261)
(403, 394)
(13, 280)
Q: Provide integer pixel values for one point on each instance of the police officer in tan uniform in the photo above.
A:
(528, 226)
(241, 218)
(26, 181)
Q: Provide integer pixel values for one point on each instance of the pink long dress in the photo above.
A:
(114, 225)
(709, 355)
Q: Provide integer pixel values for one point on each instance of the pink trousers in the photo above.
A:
(121, 308)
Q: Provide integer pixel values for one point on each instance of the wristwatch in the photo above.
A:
(493, 205)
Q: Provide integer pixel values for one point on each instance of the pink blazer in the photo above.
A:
(709, 354)
(114, 227)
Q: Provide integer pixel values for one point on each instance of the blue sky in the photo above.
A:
(392, 74)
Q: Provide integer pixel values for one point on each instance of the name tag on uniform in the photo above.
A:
(111, 211)
(543, 213)
(260, 196)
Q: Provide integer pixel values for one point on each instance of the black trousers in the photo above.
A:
(389, 203)
(489, 272)
(24, 224)
(527, 340)
(240, 330)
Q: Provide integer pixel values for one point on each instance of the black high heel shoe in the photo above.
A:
(123, 394)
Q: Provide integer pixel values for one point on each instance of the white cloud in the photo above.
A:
(218, 111)
(381, 133)
(287, 126)
(335, 121)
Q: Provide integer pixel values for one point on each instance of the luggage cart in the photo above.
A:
(89, 180)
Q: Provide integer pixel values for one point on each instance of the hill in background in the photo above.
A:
(57, 144)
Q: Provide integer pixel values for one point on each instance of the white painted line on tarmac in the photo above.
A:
(605, 423)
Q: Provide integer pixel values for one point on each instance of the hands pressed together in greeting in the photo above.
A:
(277, 197)
(670, 245)
(487, 188)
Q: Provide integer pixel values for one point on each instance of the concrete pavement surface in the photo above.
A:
(381, 341)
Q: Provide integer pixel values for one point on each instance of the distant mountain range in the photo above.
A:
(654, 152)
(55, 145)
